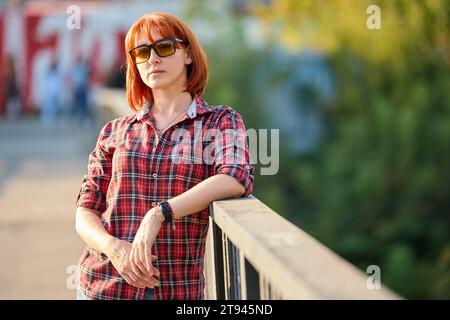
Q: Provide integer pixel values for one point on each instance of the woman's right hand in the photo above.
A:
(119, 257)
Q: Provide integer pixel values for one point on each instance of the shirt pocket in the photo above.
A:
(185, 172)
(132, 156)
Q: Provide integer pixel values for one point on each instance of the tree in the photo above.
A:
(377, 190)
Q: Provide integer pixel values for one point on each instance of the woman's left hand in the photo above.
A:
(141, 252)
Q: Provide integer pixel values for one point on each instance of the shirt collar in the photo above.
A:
(197, 107)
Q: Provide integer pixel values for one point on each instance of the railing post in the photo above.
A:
(218, 262)
(251, 282)
(242, 276)
(209, 265)
(234, 277)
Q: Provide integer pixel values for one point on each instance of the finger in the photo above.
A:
(134, 280)
(148, 262)
(139, 262)
(131, 255)
(145, 281)
(135, 261)
(156, 272)
(132, 258)
(139, 258)
(142, 276)
(140, 284)
(129, 272)
(152, 282)
(142, 270)
(150, 279)
(127, 279)
(139, 268)
(155, 282)
(143, 254)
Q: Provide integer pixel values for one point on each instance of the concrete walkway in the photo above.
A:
(40, 174)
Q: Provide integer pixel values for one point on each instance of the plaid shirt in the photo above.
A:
(131, 170)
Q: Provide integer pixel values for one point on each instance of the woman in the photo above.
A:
(143, 206)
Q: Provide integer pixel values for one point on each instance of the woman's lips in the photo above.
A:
(156, 72)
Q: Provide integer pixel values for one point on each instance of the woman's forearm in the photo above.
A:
(214, 188)
(217, 187)
(193, 200)
(92, 231)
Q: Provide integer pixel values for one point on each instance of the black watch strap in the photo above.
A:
(168, 214)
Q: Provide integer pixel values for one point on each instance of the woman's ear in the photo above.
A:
(188, 57)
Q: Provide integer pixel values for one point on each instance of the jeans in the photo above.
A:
(148, 295)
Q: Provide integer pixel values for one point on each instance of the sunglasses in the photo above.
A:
(162, 47)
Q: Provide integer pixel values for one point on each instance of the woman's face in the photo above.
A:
(173, 67)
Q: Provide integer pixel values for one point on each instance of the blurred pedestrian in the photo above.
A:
(82, 110)
(52, 95)
(13, 103)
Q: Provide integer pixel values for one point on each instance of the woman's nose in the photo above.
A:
(154, 58)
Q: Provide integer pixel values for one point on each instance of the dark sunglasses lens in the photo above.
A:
(141, 54)
(165, 48)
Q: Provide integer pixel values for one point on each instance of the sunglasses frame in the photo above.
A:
(152, 46)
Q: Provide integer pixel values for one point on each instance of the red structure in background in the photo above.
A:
(2, 54)
(33, 46)
(38, 29)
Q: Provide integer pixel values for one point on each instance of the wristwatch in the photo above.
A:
(168, 214)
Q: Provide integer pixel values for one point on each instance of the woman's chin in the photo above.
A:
(155, 84)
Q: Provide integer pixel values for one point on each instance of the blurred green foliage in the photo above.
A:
(376, 190)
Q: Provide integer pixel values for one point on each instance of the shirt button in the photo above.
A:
(154, 174)
(153, 204)
(154, 149)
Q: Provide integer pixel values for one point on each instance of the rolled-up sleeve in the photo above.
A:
(232, 156)
(94, 185)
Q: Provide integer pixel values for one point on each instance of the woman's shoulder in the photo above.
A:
(225, 116)
(226, 111)
(223, 111)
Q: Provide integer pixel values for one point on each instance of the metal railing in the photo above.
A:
(254, 253)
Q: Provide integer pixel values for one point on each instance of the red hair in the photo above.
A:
(168, 26)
